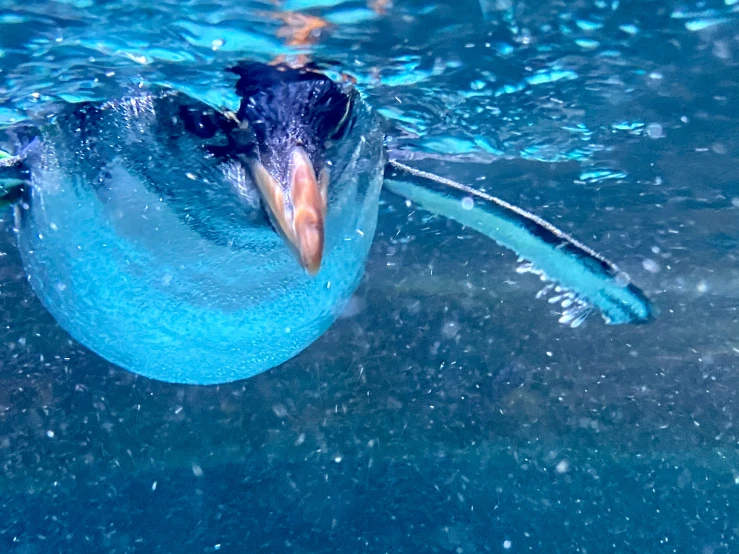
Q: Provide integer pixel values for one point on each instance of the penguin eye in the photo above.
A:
(202, 123)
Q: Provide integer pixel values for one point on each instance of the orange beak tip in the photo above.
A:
(310, 237)
(310, 207)
(303, 225)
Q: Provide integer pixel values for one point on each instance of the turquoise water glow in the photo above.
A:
(446, 410)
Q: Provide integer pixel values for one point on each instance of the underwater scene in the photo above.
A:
(382, 276)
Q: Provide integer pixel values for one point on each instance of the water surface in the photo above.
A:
(447, 411)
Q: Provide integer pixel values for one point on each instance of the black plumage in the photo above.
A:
(286, 107)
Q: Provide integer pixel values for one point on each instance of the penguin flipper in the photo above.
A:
(579, 277)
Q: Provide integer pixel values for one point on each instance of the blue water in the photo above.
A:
(447, 410)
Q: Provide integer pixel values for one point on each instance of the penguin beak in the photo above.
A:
(298, 208)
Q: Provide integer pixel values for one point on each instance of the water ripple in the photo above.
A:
(453, 78)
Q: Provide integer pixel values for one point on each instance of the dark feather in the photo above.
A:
(286, 106)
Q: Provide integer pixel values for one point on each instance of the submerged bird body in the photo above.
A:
(157, 254)
(168, 236)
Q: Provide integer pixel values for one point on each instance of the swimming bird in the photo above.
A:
(195, 244)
